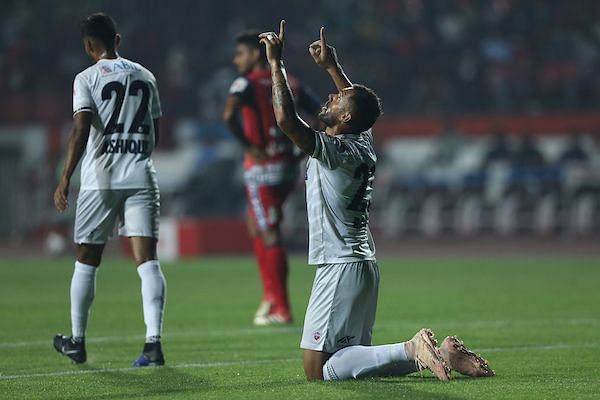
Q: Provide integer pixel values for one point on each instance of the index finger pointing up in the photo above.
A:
(323, 41)
(282, 30)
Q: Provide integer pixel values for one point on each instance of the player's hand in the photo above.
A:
(61, 195)
(256, 153)
(324, 55)
(274, 44)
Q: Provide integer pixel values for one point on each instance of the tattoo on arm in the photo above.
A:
(285, 113)
(282, 96)
(277, 97)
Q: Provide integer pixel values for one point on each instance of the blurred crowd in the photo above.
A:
(501, 183)
(438, 58)
(422, 56)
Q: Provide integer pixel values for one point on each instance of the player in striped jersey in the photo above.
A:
(270, 169)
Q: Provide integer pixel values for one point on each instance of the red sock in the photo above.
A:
(265, 277)
(277, 267)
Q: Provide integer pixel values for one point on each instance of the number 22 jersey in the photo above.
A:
(123, 98)
(339, 183)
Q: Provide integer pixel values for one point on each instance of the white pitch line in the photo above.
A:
(199, 333)
(126, 369)
(558, 346)
(539, 347)
(283, 329)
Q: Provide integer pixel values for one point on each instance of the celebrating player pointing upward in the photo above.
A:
(116, 109)
(340, 173)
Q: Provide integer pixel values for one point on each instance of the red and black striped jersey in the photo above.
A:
(258, 119)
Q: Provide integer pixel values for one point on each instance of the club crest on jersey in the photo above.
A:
(317, 336)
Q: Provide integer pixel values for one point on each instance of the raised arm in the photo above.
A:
(284, 108)
(326, 57)
(80, 131)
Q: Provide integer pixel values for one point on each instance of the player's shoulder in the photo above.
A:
(108, 68)
(363, 139)
(366, 136)
(136, 66)
(366, 143)
(87, 73)
(239, 84)
(361, 145)
(259, 77)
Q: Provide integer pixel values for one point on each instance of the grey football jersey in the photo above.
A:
(339, 183)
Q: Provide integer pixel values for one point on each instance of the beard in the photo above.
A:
(327, 118)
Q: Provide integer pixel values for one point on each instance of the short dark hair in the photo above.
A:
(367, 105)
(250, 39)
(101, 27)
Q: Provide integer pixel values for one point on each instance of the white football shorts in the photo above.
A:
(342, 306)
(136, 210)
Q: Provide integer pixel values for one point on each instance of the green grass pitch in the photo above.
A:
(536, 320)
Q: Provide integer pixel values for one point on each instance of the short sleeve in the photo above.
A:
(333, 151)
(240, 87)
(82, 96)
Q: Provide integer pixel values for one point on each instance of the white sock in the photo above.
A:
(154, 288)
(83, 290)
(360, 361)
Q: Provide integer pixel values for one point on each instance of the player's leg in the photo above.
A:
(358, 361)
(271, 201)
(313, 364)
(336, 312)
(277, 268)
(267, 300)
(95, 217)
(153, 285)
(396, 359)
(83, 286)
(139, 222)
(340, 315)
(143, 249)
(257, 224)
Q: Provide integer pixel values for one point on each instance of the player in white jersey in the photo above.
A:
(116, 111)
(340, 173)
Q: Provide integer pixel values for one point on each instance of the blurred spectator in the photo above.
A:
(446, 145)
(421, 56)
(528, 154)
(499, 150)
(574, 152)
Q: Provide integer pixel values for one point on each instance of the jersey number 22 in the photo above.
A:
(119, 90)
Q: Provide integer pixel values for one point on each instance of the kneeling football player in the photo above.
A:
(339, 183)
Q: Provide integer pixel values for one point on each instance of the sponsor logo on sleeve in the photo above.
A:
(239, 85)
